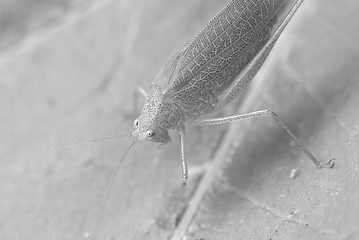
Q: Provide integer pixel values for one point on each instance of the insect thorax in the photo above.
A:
(157, 113)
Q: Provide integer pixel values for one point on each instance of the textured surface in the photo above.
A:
(77, 82)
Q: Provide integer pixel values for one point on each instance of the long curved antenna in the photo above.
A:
(108, 190)
(61, 146)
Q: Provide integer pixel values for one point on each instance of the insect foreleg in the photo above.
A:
(142, 91)
(181, 132)
(260, 113)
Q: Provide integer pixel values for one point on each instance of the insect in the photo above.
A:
(211, 70)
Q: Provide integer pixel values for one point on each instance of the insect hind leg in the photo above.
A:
(261, 113)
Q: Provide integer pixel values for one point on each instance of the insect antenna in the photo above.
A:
(61, 146)
(108, 190)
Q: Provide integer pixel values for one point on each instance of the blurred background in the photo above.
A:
(69, 71)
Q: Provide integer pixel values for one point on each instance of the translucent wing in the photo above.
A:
(168, 74)
(200, 72)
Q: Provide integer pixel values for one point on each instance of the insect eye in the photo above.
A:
(135, 123)
(150, 133)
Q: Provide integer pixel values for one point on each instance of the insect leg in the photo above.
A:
(142, 91)
(255, 64)
(260, 113)
(181, 132)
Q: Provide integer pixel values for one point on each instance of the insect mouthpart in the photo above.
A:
(138, 135)
(155, 135)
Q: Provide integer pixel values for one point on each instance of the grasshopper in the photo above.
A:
(211, 70)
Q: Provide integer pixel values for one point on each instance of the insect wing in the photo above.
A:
(166, 78)
(197, 76)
